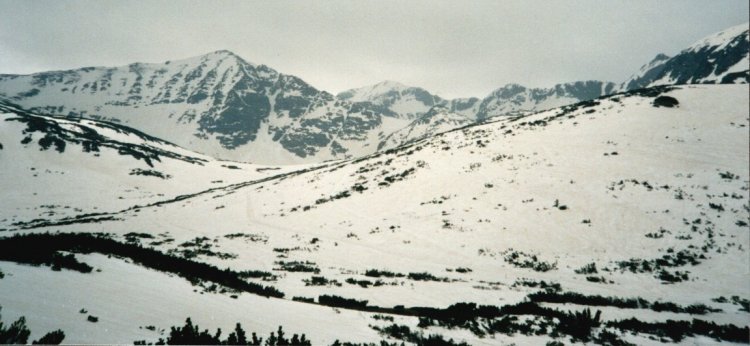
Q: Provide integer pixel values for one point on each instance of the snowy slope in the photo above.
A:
(718, 58)
(610, 181)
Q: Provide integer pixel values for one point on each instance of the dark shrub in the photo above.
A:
(580, 323)
(666, 101)
(51, 338)
(336, 301)
(18, 333)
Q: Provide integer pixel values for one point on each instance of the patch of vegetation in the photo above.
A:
(320, 281)
(679, 330)
(149, 173)
(190, 334)
(248, 236)
(658, 266)
(671, 277)
(729, 176)
(364, 283)
(256, 274)
(436, 200)
(560, 206)
(200, 246)
(666, 101)
(340, 195)
(552, 286)
(379, 317)
(304, 299)
(716, 206)
(483, 320)
(521, 259)
(587, 269)
(297, 266)
(15, 248)
(659, 234)
(136, 237)
(622, 303)
(598, 279)
(340, 302)
(52, 338)
(403, 333)
(736, 300)
(425, 276)
(54, 259)
(18, 333)
(390, 179)
(375, 273)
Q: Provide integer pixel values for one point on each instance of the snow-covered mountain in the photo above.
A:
(412, 102)
(407, 102)
(646, 74)
(217, 104)
(635, 205)
(436, 120)
(425, 108)
(514, 97)
(220, 105)
(719, 58)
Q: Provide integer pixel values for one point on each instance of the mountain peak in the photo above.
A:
(391, 84)
(659, 57)
(722, 38)
(223, 55)
(509, 90)
(372, 92)
(369, 92)
(223, 52)
(718, 58)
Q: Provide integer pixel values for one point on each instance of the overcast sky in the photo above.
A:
(452, 48)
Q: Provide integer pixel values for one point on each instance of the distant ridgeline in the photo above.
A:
(221, 105)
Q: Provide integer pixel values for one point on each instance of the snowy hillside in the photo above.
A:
(718, 58)
(635, 205)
